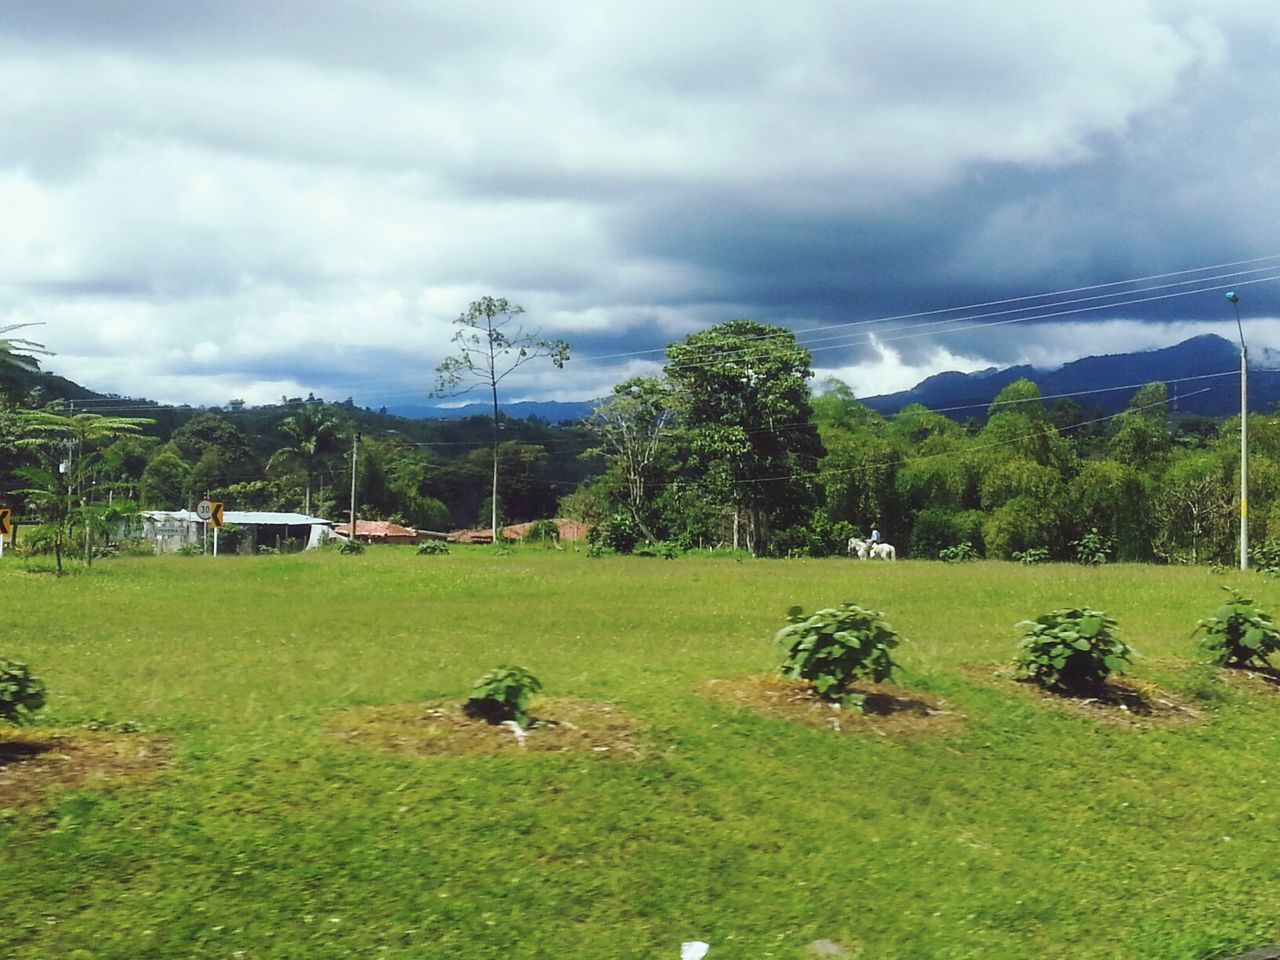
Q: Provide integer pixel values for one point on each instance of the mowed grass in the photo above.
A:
(1033, 832)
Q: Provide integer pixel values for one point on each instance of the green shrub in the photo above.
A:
(1071, 651)
(1032, 555)
(663, 549)
(1093, 548)
(833, 647)
(621, 533)
(1239, 633)
(1265, 557)
(432, 548)
(191, 550)
(349, 547)
(20, 693)
(503, 694)
(960, 553)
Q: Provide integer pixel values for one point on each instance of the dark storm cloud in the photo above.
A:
(286, 197)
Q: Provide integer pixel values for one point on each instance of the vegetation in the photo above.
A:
(489, 350)
(432, 548)
(503, 694)
(1022, 833)
(1071, 651)
(833, 647)
(21, 694)
(1239, 634)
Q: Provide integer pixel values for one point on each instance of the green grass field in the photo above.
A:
(1033, 832)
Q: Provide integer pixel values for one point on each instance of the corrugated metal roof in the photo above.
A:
(243, 517)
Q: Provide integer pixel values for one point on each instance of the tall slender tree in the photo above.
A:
(314, 433)
(491, 344)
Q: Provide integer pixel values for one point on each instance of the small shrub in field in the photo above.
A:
(1265, 557)
(1239, 633)
(20, 692)
(352, 547)
(663, 549)
(430, 548)
(1032, 555)
(1071, 651)
(960, 553)
(191, 550)
(503, 694)
(1093, 548)
(833, 647)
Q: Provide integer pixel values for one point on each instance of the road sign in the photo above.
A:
(215, 514)
(4, 521)
(204, 509)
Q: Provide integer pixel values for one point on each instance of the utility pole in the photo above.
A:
(1244, 436)
(355, 447)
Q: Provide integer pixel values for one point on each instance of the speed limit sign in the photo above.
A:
(204, 509)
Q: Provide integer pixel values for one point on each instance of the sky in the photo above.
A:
(251, 200)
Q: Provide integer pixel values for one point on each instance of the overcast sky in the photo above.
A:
(203, 201)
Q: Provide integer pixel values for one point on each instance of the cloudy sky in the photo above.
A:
(202, 201)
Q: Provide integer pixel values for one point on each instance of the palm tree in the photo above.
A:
(314, 433)
(64, 445)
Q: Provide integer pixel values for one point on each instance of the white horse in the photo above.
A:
(866, 550)
(883, 551)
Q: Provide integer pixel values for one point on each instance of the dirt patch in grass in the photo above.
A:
(442, 729)
(1121, 700)
(889, 710)
(34, 761)
(1267, 678)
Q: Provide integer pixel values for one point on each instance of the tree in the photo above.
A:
(314, 434)
(64, 445)
(491, 345)
(741, 390)
(634, 426)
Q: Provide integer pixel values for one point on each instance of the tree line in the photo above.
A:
(728, 446)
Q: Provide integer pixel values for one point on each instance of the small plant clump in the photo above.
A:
(960, 553)
(21, 694)
(1238, 633)
(1071, 651)
(429, 548)
(1032, 555)
(351, 547)
(1093, 548)
(833, 647)
(503, 694)
(543, 532)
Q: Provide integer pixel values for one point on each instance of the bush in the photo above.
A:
(503, 694)
(1032, 555)
(833, 647)
(1071, 651)
(351, 547)
(1093, 548)
(544, 532)
(430, 548)
(191, 550)
(960, 553)
(20, 693)
(663, 549)
(621, 533)
(1239, 633)
(1265, 557)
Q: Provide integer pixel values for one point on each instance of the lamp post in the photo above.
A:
(1244, 436)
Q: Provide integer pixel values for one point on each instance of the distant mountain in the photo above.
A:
(553, 411)
(1110, 382)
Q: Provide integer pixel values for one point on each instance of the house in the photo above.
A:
(380, 531)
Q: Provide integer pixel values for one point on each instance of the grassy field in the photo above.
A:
(1032, 832)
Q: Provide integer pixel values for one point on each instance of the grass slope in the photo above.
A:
(1031, 833)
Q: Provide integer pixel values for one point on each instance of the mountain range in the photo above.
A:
(1203, 374)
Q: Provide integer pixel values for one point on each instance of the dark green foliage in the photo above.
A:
(1071, 651)
(1239, 633)
(621, 533)
(1093, 548)
(663, 549)
(960, 553)
(833, 647)
(503, 694)
(431, 548)
(1265, 557)
(20, 693)
(1032, 555)
(351, 547)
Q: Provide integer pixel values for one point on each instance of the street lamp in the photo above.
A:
(1244, 436)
